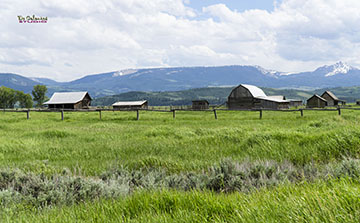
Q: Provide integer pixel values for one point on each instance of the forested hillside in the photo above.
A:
(214, 95)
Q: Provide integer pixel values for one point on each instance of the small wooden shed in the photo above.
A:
(316, 102)
(123, 105)
(200, 104)
(331, 99)
(295, 102)
(69, 100)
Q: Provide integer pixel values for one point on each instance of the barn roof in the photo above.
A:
(317, 96)
(129, 103)
(280, 97)
(260, 94)
(267, 98)
(331, 95)
(254, 91)
(66, 97)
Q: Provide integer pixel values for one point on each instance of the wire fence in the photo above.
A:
(173, 110)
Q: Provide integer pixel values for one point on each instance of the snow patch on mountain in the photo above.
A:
(124, 72)
(287, 73)
(272, 73)
(338, 68)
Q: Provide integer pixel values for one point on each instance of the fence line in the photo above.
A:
(173, 111)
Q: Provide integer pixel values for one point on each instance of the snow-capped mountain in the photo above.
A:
(180, 78)
(271, 73)
(338, 68)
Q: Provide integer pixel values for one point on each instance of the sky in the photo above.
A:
(235, 5)
(83, 37)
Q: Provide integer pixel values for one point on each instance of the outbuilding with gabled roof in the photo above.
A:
(316, 101)
(120, 105)
(331, 99)
(200, 104)
(69, 100)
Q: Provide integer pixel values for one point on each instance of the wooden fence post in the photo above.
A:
(28, 114)
(260, 113)
(62, 115)
(215, 114)
(137, 115)
(100, 114)
(173, 113)
(339, 111)
(301, 112)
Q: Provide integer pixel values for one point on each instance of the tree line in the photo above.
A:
(10, 97)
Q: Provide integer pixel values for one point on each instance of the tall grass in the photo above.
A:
(332, 201)
(193, 168)
(191, 142)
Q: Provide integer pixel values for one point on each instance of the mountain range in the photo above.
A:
(181, 78)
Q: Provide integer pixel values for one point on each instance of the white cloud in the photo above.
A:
(88, 36)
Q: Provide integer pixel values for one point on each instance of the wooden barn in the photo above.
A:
(123, 105)
(69, 100)
(295, 102)
(316, 102)
(247, 96)
(331, 99)
(200, 104)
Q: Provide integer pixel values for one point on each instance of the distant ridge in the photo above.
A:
(180, 78)
(218, 95)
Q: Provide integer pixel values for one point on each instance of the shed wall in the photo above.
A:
(330, 101)
(315, 102)
(200, 105)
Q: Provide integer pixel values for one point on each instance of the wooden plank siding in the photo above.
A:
(242, 98)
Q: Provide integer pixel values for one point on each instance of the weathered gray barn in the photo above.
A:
(69, 100)
(247, 96)
(331, 99)
(316, 102)
(200, 104)
(295, 102)
(130, 105)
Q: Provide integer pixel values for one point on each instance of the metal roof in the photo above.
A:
(269, 98)
(279, 97)
(66, 97)
(254, 91)
(258, 93)
(331, 95)
(129, 103)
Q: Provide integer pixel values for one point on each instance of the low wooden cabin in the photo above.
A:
(69, 100)
(295, 102)
(247, 96)
(200, 104)
(331, 99)
(316, 102)
(129, 105)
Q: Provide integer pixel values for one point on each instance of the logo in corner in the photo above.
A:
(32, 19)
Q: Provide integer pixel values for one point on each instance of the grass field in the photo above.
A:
(121, 169)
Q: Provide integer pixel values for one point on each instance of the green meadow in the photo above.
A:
(238, 168)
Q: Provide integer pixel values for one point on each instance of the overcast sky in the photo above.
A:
(85, 37)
